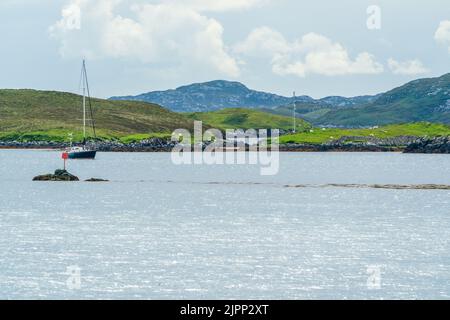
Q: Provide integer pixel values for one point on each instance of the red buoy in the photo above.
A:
(65, 156)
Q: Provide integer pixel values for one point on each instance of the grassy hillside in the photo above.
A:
(49, 115)
(306, 111)
(318, 135)
(246, 119)
(419, 100)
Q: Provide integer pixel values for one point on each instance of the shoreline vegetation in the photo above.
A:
(421, 137)
(406, 144)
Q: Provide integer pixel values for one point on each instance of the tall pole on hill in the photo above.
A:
(84, 99)
(294, 114)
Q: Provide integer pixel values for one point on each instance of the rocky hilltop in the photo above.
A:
(211, 96)
(220, 94)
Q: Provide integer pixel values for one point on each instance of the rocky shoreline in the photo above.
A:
(405, 144)
(351, 147)
(429, 145)
(151, 145)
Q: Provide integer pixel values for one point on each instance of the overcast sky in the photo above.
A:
(317, 48)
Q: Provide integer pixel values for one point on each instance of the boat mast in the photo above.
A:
(294, 113)
(84, 100)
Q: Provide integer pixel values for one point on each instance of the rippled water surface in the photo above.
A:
(160, 231)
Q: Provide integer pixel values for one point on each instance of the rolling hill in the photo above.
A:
(51, 115)
(418, 100)
(247, 119)
(29, 115)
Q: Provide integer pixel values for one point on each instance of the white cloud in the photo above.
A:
(217, 5)
(442, 34)
(153, 33)
(410, 67)
(312, 54)
(263, 41)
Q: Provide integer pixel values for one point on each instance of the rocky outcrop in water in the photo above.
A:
(429, 145)
(59, 175)
(96, 180)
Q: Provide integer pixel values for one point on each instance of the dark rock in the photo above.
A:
(96, 180)
(429, 145)
(59, 175)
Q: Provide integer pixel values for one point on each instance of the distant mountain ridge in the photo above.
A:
(419, 100)
(315, 109)
(221, 94)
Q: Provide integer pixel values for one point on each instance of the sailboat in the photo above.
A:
(84, 151)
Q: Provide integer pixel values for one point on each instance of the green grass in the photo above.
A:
(50, 116)
(319, 135)
(308, 112)
(236, 118)
(56, 135)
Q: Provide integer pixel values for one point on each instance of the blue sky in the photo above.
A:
(318, 48)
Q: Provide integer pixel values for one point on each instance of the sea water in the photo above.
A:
(162, 231)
